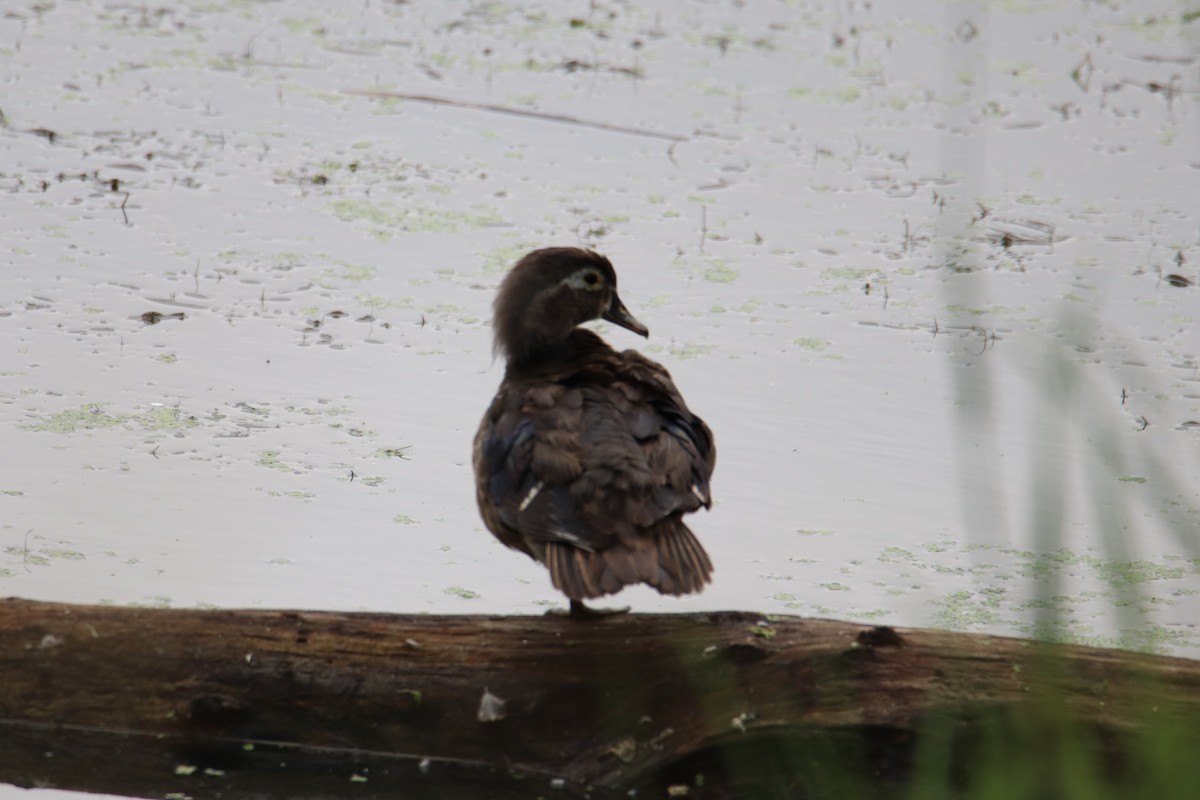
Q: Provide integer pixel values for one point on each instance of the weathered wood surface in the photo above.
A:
(310, 704)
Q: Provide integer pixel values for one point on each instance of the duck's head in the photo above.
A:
(548, 293)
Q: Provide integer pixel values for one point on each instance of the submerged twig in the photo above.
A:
(514, 112)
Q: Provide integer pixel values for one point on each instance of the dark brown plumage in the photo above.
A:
(588, 458)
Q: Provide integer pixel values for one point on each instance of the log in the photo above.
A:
(297, 704)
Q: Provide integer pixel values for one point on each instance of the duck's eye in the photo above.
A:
(589, 280)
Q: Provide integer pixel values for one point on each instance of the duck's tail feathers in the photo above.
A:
(667, 557)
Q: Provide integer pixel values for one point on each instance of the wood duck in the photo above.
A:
(588, 458)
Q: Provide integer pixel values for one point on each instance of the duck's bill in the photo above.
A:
(618, 314)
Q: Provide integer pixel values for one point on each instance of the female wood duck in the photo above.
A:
(588, 458)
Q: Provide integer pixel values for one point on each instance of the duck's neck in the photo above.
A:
(580, 345)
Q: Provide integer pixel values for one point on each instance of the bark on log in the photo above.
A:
(146, 702)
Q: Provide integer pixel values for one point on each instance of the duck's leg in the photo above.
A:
(580, 611)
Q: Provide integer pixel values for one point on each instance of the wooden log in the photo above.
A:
(147, 702)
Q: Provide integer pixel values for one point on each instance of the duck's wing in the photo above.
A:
(677, 444)
(528, 455)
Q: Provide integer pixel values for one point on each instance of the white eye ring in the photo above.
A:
(586, 279)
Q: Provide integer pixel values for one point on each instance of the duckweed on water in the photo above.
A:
(387, 218)
(270, 460)
(351, 272)
(719, 273)
(498, 260)
(963, 609)
(165, 418)
(69, 555)
(87, 417)
(691, 350)
(93, 416)
(295, 493)
(849, 273)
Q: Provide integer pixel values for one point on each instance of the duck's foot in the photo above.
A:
(579, 611)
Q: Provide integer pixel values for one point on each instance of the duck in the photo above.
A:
(588, 459)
